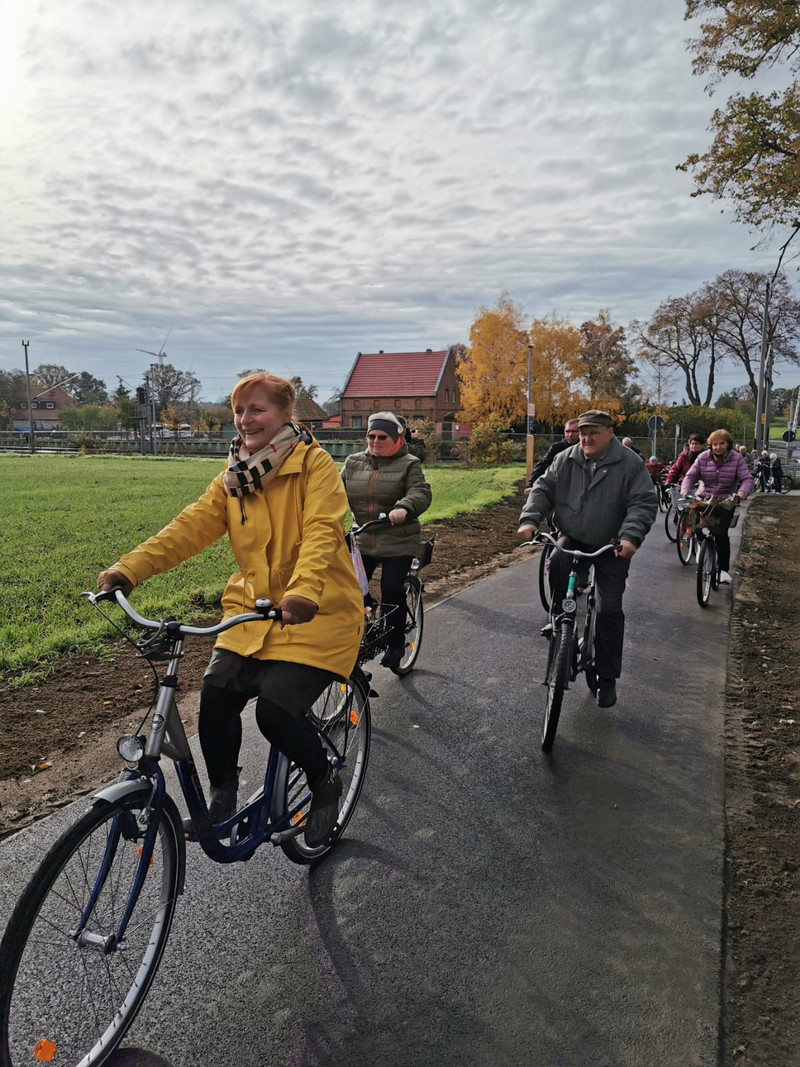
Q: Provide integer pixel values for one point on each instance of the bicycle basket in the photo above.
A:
(425, 556)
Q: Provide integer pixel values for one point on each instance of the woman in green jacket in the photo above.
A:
(387, 479)
(282, 505)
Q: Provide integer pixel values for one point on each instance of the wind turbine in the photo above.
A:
(161, 354)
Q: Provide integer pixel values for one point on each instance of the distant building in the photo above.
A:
(46, 409)
(418, 385)
(309, 412)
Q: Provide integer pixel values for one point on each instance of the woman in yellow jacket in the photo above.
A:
(282, 504)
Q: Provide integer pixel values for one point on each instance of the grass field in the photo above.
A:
(68, 517)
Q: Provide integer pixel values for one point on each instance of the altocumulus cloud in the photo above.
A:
(284, 185)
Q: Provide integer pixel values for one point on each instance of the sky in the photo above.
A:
(282, 184)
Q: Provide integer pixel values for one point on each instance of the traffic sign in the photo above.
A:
(655, 424)
(788, 435)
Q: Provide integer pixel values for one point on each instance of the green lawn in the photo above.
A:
(65, 518)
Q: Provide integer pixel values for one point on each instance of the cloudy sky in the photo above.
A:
(284, 183)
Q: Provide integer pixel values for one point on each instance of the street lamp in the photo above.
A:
(529, 418)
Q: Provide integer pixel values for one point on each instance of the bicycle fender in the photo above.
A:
(118, 790)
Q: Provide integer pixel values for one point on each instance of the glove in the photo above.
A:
(299, 607)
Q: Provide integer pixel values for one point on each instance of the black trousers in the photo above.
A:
(611, 573)
(393, 573)
(285, 693)
(722, 521)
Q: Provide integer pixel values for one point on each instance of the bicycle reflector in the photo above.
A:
(131, 748)
(44, 1051)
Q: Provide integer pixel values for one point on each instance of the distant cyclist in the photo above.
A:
(387, 479)
(721, 472)
(570, 438)
(598, 491)
(680, 467)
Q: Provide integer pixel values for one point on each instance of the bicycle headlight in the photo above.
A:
(131, 748)
(568, 605)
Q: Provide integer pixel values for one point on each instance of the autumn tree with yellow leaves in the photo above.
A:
(555, 370)
(494, 369)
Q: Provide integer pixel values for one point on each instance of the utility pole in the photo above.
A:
(30, 405)
(768, 396)
(153, 409)
(762, 372)
(529, 419)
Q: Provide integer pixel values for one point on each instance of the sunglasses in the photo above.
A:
(377, 437)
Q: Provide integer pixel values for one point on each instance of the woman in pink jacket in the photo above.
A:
(720, 472)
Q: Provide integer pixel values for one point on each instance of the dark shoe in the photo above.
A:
(606, 692)
(222, 802)
(392, 657)
(324, 810)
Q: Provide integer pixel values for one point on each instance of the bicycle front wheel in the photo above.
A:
(706, 571)
(342, 716)
(557, 681)
(71, 985)
(415, 620)
(685, 540)
(544, 585)
(671, 523)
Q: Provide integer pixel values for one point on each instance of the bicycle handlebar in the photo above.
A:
(264, 612)
(541, 536)
(382, 520)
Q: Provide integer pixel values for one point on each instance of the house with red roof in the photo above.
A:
(308, 411)
(46, 408)
(417, 385)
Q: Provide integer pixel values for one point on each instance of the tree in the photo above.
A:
(605, 363)
(682, 334)
(50, 374)
(555, 367)
(333, 405)
(305, 392)
(173, 386)
(753, 158)
(493, 371)
(86, 389)
(739, 297)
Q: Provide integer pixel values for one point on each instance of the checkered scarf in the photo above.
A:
(245, 476)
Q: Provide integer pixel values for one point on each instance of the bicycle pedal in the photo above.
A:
(547, 630)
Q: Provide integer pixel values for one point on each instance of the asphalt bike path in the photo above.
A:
(488, 904)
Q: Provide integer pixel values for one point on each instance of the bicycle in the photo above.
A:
(88, 933)
(377, 628)
(685, 540)
(566, 656)
(708, 568)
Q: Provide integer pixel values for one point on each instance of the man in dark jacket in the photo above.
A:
(598, 491)
(570, 438)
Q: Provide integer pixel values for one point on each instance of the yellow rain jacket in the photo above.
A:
(287, 539)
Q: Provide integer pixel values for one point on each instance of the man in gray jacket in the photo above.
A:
(598, 491)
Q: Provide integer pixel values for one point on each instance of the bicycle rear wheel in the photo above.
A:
(544, 585)
(706, 566)
(415, 620)
(685, 539)
(70, 989)
(557, 680)
(342, 716)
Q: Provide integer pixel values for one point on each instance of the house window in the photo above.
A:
(50, 405)
(356, 421)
